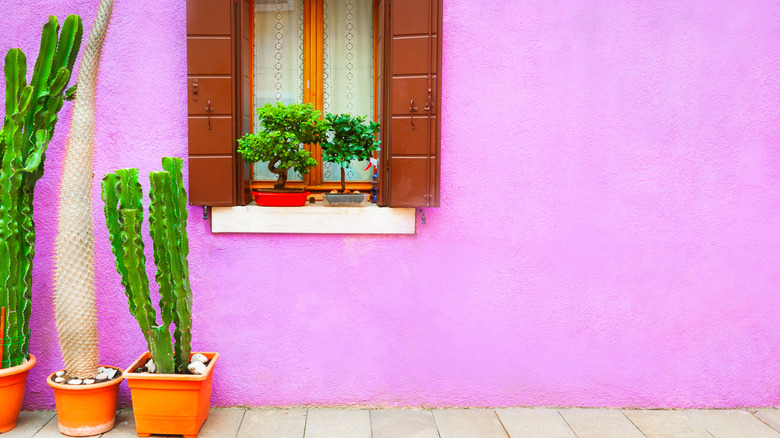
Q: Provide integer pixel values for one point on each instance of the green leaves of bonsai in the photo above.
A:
(350, 138)
(285, 131)
(28, 126)
(122, 196)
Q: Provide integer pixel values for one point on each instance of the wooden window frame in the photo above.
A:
(312, 93)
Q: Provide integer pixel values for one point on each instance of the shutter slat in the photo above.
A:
(411, 52)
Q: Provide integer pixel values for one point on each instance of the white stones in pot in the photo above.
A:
(197, 368)
(197, 357)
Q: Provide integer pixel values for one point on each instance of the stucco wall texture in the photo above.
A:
(608, 236)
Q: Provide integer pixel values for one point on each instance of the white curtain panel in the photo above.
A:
(278, 65)
(348, 70)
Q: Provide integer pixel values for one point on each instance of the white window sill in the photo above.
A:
(313, 219)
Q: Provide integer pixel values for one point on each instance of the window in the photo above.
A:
(403, 63)
(320, 52)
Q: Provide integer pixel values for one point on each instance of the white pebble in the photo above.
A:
(89, 381)
(101, 369)
(197, 368)
(74, 382)
(59, 373)
(59, 379)
(150, 366)
(101, 376)
(110, 372)
(197, 357)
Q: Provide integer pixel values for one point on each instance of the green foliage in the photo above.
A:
(286, 129)
(349, 138)
(122, 196)
(28, 126)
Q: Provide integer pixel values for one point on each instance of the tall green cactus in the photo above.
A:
(28, 126)
(122, 195)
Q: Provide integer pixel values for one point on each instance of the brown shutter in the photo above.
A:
(411, 102)
(215, 97)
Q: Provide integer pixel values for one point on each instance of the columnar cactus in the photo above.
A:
(122, 195)
(74, 297)
(28, 126)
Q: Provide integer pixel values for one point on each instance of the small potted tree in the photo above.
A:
(28, 126)
(285, 131)
(169, 385)
(349, 138)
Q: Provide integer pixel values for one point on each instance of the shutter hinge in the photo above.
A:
(422, 216)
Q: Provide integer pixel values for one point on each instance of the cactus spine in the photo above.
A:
(122, 195)
(28, 126)
(74, 297)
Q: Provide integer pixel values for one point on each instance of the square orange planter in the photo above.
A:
(170, 404)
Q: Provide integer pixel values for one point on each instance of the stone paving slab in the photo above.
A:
(124, 426)
(468, 423)
(731, 424)
(222, 423)
(50, 430)
(338, 423)
(769, 416)
(273, 423)
(29, 423)
(666, 424)
(403, 423)
(534, 423)
(600, 423)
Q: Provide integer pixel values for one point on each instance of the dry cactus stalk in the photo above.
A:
(75, 261)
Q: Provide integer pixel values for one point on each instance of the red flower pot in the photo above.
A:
(281, 199)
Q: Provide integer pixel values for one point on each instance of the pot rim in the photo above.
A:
(60, 386)
(31, 361)
(130, 375)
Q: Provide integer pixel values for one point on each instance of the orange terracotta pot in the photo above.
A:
(12, 383)
(170, 404)
(86, 410)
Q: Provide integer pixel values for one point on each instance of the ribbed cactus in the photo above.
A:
(122, 195)
(28, 126)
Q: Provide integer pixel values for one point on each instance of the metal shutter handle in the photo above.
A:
(412, 110)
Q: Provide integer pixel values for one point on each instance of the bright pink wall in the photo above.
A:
(609, 232)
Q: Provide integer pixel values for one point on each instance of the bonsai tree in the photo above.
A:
(122, 195)
(349, 138)
(28, 126)
(285, 130)
(74, 306)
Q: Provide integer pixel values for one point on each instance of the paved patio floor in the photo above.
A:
(452, 423)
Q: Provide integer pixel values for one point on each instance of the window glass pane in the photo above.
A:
(278, 64)
(348, 72)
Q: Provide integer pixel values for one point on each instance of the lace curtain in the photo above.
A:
(348, 72)
(278, 64)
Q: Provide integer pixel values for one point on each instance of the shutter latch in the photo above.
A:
(429, 104)
(195, 90)
(209, 110)
(412, 110)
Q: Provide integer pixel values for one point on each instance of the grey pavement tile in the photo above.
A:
(723, 423)
(403, 423)
(50, 430)
(338, 423)
(770, 417)
(600, 423)
(534, 423)
(666, 424)
(273, 423)
(124, 426)
(28, 423)
(468, 423)
(222, 423)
